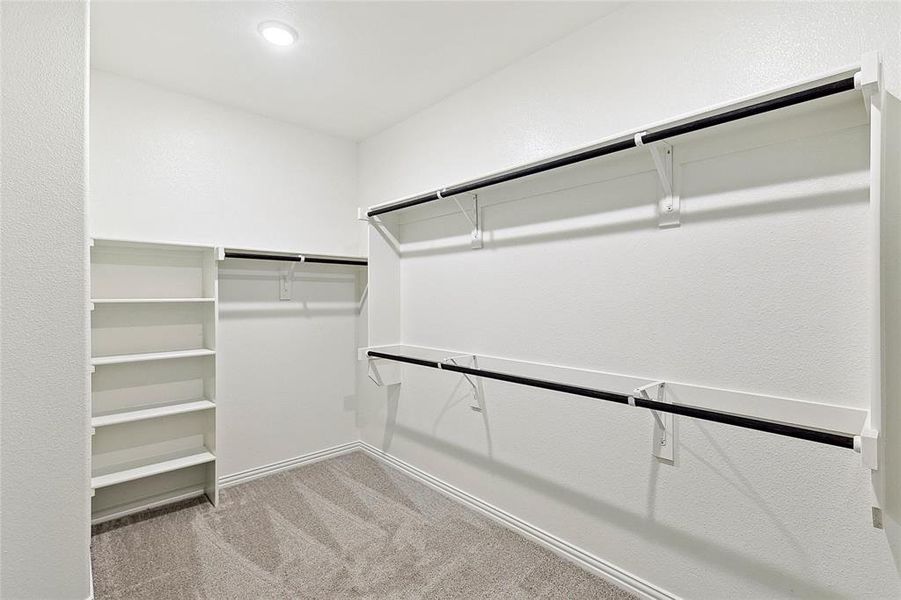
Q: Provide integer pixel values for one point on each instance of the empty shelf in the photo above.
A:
(131, 358)
(128, 508)
(150, 412)
(150, 300)
(156, 465)
(149, 245)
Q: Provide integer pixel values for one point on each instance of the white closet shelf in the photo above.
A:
(150, 300)
(156, 465)
(149, 244)
(117, 359)
(141, 413)
(129, 508)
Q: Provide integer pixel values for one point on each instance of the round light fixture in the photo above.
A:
(278, 33)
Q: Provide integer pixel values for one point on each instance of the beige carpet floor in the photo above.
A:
(348, 527)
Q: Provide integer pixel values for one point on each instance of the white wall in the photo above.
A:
(747, 300)
(44, 437)
(173, 167)
(286, 368)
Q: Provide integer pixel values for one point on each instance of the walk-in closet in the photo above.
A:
(450, 300)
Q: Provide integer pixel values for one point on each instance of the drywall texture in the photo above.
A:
(285, 382)
(583, 277)
(167, 166)
(44, 440)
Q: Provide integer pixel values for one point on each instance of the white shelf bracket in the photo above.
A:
(380, 372)
(475, 220)
(286, 281)
(475, 388)
(664, 440)
(669, 207)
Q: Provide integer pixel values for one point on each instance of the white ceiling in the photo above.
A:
(358, 67)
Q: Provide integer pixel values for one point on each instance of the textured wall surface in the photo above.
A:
(584, 278)
(43, 441)
(172, 167)
(286, 368)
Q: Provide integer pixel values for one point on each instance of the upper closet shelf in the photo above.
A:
(863, 77)
(98, 242)
(326, 259)
(132, 358)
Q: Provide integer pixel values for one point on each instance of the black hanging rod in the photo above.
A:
(820, 91)
(841, 440)
(359, 262)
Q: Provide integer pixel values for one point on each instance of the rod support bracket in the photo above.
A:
(286, 281)
(473, 361)
(664, 439)
(669, 206)
(475, 220)
(380, 372)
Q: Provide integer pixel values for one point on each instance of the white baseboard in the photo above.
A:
(284, 465)
(612, 573)
(586, 560)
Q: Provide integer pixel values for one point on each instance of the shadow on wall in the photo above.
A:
(470, 389)
(813, 173)
(642, 525)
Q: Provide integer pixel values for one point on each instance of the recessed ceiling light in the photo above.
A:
(278, 33)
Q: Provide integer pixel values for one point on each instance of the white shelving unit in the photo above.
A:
(153, 385)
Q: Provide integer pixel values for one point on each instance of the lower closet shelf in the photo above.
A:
(150, 412)
(128, 508)
(156, 465)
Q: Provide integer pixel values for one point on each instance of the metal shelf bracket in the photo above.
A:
(664, 440)
(473, 362)
(475, 220)
(286, 281)
(380, 372)
(669, 207)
